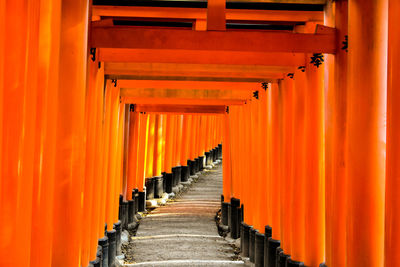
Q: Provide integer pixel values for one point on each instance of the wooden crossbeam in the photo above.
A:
(190, 71)
(201, 14)
(250, 41)
(181, 109)
(188, 85)
(182, 101)
(189, 93)
(216, 18)
(200, 57)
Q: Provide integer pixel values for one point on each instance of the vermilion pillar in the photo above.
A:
(275, 163)
(298, 160)
(227, 168)
(70, 129)
(392, 216)
(142, 152)
(132, 152)
(366, 135)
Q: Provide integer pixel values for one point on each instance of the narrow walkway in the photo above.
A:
(184, 232)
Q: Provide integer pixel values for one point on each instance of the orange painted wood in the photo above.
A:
(150, 146)
(315, 168)
(286, 101)
(157, 145)
(119, 160)
(181, 109)
(336, 158)
(366, 132)
(201, 13)
(263, 154)
(185, 139)
(275, 163)
(178, 144)
(392, 217)
(298, 160)
(227, 162)
(142, 153)
(69, 160)
(216, 17)
(183, 101)
(133, 152)
(200, 57)
(263, 41)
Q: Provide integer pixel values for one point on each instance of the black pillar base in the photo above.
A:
(208, 158)
(273, 245)
(234, 226)
(239, 219)
(321, 265)
(292, 263)
(191, 164)
(158, 186)
(219, 151)
(135, 195)
(95, 263)
(103, 243)
(201, 163)
(185, 173)
(224, 213)
(117, 228)
(112, 247)
(149, 188)
(197, 164)
(131, 210)
(267, 235)
(176, 175)
(142, 201)
(252, 240)
(259, 250)
(168, 183)
(281, 259)
(245, 240)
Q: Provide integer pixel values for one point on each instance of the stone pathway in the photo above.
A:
(184, 232)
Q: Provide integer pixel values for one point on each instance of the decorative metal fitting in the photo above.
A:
(93, 53)
(317, 59)
(114, 81)
(264, 85)
(346, 43)
(227, 109)
(302, 68)
(290, 75)
(131, 107)
(255, 94)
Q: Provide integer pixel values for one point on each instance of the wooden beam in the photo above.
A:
(183, 101)
(200, 57)
(195, 70)
(188, 85)
(197, 78)
(216, 20)
(188, 93)
(201, 13)
(250, 41)
(181, 109)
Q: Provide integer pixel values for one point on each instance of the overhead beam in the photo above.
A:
(250, 41)
(183, 101)
(186, 71)
(188, 85)
(177, 93)
(196, 78)
(201, 14)
(200, 57)
(181, 109)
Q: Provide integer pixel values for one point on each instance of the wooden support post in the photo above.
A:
(178, 143)
(298, 160)
(157, 145)
(286, 90)
(275, 163)
(150, 147)
(142, 152)
(226, 164)
(366, 132)
(392, 216)
(133, 152)
(185, 141)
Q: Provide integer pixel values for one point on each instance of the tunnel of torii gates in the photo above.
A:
(96, 109)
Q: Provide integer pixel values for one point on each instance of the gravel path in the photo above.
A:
(184, 232)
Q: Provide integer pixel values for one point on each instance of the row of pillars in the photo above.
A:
(313, 168)
(69, 144)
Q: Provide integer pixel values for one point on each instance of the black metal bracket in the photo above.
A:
(114, 81)
(255, 94)
(264, 85)
(132, 107)
(99, 64)
(317, 59)
(346, 43)
(93, 53)
(290, 75)
(227, 109)
(302, 68)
